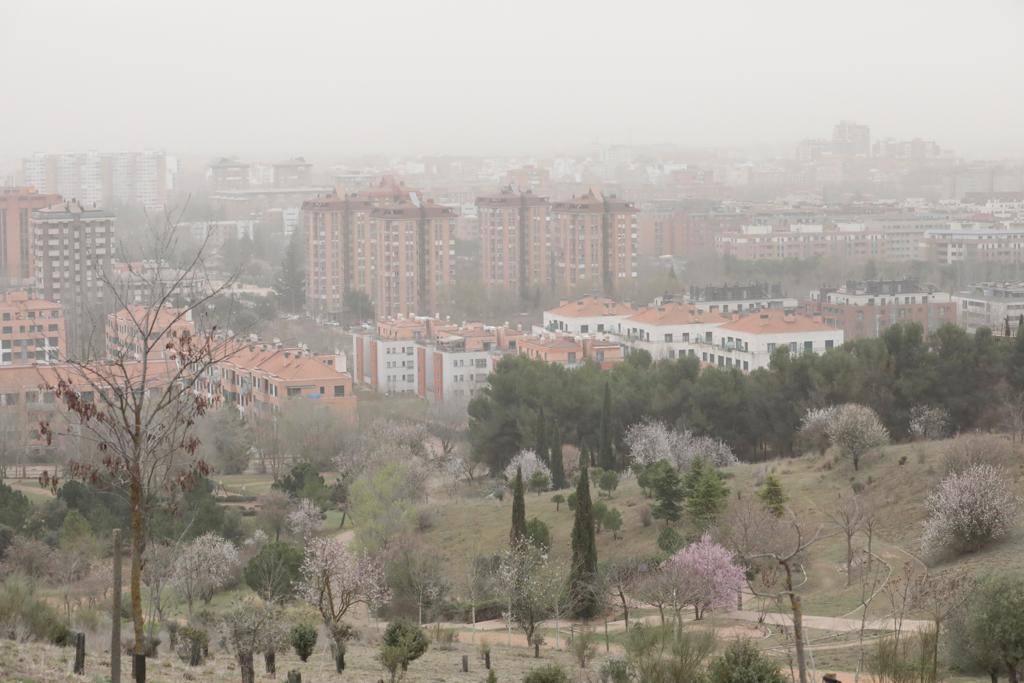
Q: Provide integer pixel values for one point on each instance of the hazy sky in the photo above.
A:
(327, 79)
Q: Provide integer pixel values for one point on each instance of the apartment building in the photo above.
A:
(228, 174)
(748, 342)
(260, 378)
(100, 178)
(386, 242)
(571, 351)
(515, 241)
(733, 298)
(669, 330)
(125, 337)
(16, 207)
(991, 304)
(663, 229)
(595, 239)
(587, 315)
(995, 244)
(31, 330)
(295, 172)
(867, 308)
(73, 250)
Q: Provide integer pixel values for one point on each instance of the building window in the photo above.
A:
(829, 344)
(668, 337)
(294, 391)
(808, 347)
(572, 356)
(584, 329)
(339, 390)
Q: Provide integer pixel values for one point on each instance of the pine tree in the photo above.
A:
(772, 495)
(606, 452)
(556, 463)
(583, 572)
(518, 532)
(541, 449)
(668, 495)
(291, 284)
(707, 498)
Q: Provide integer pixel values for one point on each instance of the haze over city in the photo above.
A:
(527, 342)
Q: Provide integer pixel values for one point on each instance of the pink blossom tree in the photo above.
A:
(305, 519)
(705, 576)
(970, 509)
(334, 580)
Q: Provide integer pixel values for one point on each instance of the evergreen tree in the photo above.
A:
(708, 498)
(291, 284)
(541, 449)
(518, 532)
(583, 572)
(556, 464)
(606, 453)
(668, 495)
(772, 495)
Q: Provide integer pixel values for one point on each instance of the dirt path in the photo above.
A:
(837, 624)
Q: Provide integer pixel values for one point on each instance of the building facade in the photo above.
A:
(101, 179)
(16, 207)
(31, 330)
(515, 241)
(125, 330)
(867, 309)
(995, 305)
(596, 241)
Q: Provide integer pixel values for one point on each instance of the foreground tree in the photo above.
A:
(202, 568)
(529, 583)
(334, 580)
(855, 430)
(969, 510)
(706, 576)
(995, 622)
(403, 643)
(274, 572)
(138, 410)
(251, 628)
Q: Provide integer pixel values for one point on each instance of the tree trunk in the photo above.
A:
(536, 650)
(115, 616)
(79, 665)
(696, 612)
(625, 609)
(246, 668)
(1011, 673)
(338, 652)
(270, 663)
(849, 559)
(798, 625)
(135, 581)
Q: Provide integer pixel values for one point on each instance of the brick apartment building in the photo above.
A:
(31, 330)
(868, 308)
(515, 241)
(595, 239)
(73, 250)
(16, 207)
(386, 242)
(123, 336)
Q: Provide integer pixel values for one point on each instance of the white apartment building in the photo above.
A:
(587, 315)
(747, 343)
(669, 330)
(991, 305)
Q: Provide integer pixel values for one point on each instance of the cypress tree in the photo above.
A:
(583, 572)
(541, 448)
(518, 533)
(557, 465)
(606, 454)
(772, 495)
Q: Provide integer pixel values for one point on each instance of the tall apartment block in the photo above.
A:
(16, 207)
(72, 250)
(515, 239)
(101, 179)
(386, 242)
(595, 238)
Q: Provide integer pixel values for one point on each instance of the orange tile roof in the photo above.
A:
(592, 306)
(677, 314)
(774, 321)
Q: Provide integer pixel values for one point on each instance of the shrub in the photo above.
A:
(444, 638)
(608, 482)
(968, 450)
(403, 643)
(571, 500)
(669, 541)
(550, 673)
(303, 640)
(191, 644)
(969, 510)
(615, 671)
(24, 616)
(646, 518)
(558, 499)
(584, 646)
(491, 677)
(741, 662)
(538, 534)
(665, 654)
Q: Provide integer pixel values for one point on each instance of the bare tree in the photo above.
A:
(775, 547)
(139, 408)
(849, 517)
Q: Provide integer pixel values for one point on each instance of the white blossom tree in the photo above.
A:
(304, 520)
(334, 580)
(813, 434)
(970, 509)
(928, 422)
(251, 628)
(855, 430)
(202, 568)
(527, 577)
(650, 442)
(529, 462)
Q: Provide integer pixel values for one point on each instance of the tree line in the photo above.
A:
(977, 379)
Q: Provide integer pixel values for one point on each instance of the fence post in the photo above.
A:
(606, 635)
(465, 663)
(115, 617)
(79, 653)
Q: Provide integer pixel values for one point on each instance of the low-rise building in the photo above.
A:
(668, 330)
(995, 305)
(31, 330)
(866, 309)
(130, 329)
(587, 315)
(572, 352)
(748, 342)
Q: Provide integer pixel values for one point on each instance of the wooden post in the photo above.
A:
(270, 662)
(465, 663)
(115, 617)
(536, 650)
(79, 653)
(487, 660)
(138, 668)
(294, 676)
(606, 635)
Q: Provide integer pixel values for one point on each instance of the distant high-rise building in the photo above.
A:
(101, 179)
(295, 172)
(228, 174)
(31, 330)
(595, 239)
(851, 139)
(16, 207)
(73, 253)
(385, 242)
(515, 241)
